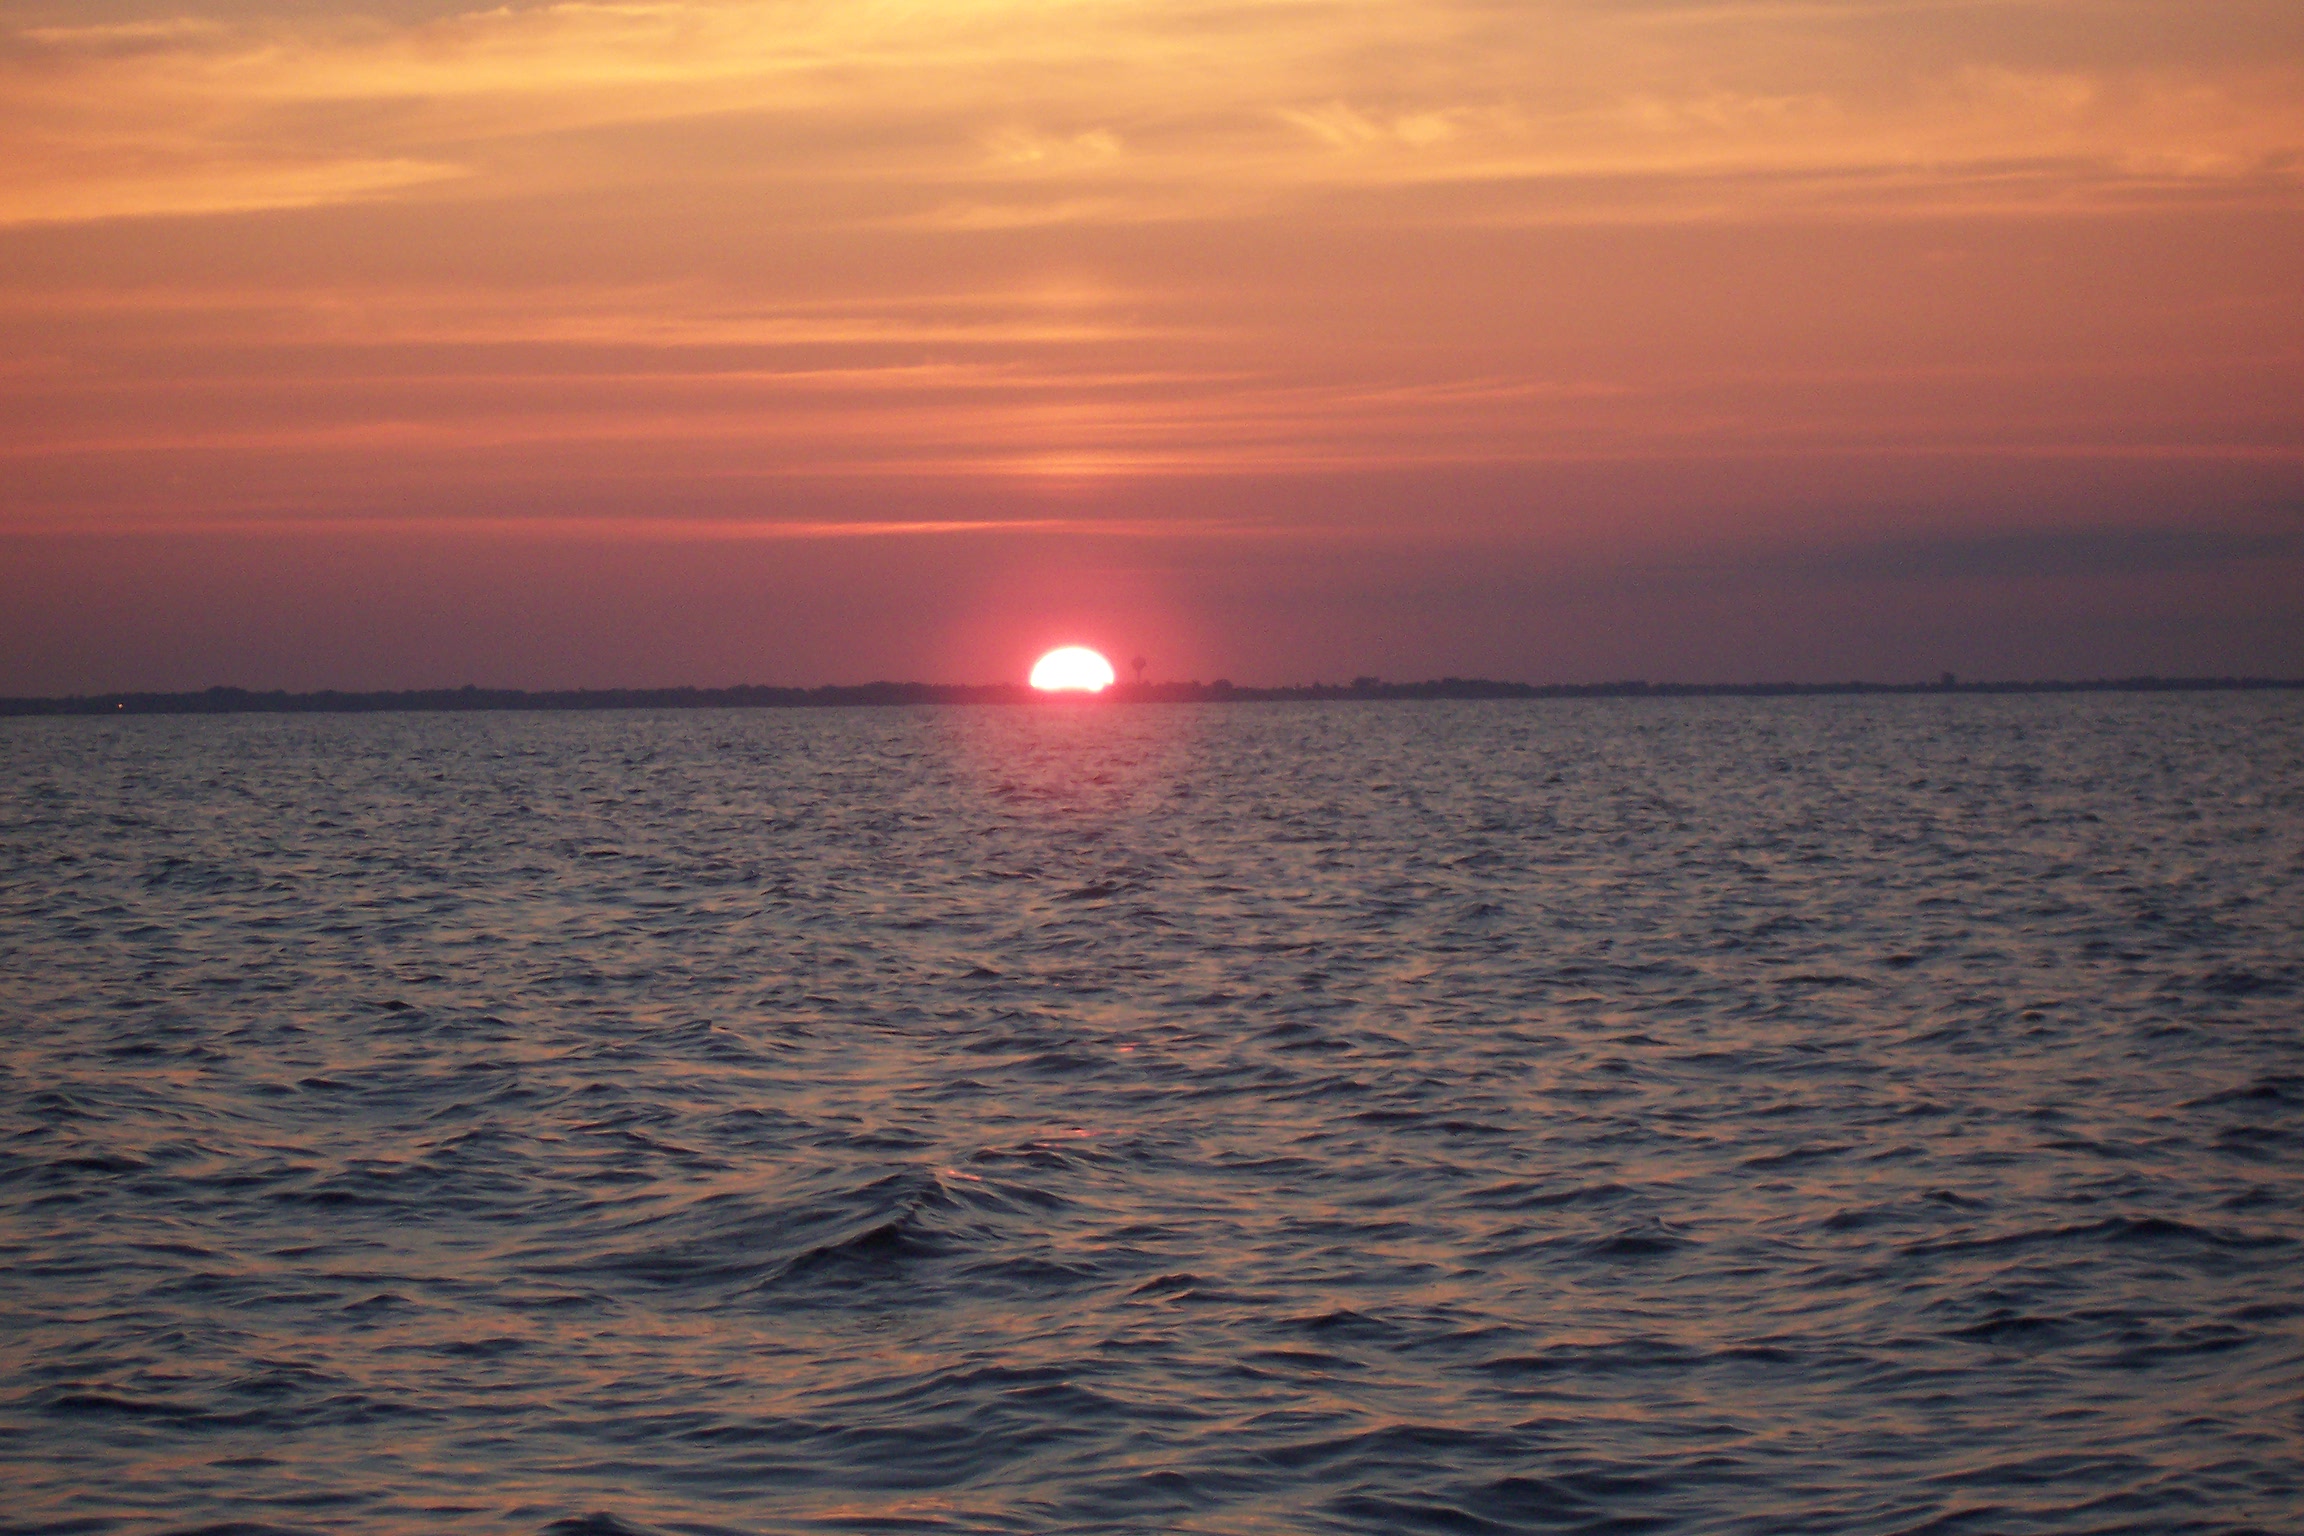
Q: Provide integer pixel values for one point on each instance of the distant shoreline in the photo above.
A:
(241, 701)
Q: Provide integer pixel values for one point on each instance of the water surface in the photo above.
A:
(1866, 1115)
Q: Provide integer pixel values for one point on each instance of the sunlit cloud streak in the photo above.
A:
(1015, 111)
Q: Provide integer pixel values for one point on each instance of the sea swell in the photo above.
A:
(1728, 1116)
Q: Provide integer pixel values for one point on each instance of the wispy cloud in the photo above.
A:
(1117, 113)
(688, 244)
(2037, 554)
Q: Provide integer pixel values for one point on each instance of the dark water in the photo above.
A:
(1825, 1115)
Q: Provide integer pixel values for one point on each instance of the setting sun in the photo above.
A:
(1073, 668)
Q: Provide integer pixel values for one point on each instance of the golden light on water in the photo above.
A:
(1072, 669)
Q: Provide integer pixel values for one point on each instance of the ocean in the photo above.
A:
(1729, 1115)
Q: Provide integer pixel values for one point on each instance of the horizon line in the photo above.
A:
(470, 697)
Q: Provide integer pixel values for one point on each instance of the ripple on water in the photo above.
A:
(1753, 1115)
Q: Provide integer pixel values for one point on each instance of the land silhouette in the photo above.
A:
(241, 701)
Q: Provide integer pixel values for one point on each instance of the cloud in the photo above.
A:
(123, 36)
(212, 186)
(1081, 241)
(2034, 554)
(1121, 112)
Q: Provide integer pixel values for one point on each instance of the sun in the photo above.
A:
(1072, 669)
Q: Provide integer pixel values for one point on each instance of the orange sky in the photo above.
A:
(406, 344)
